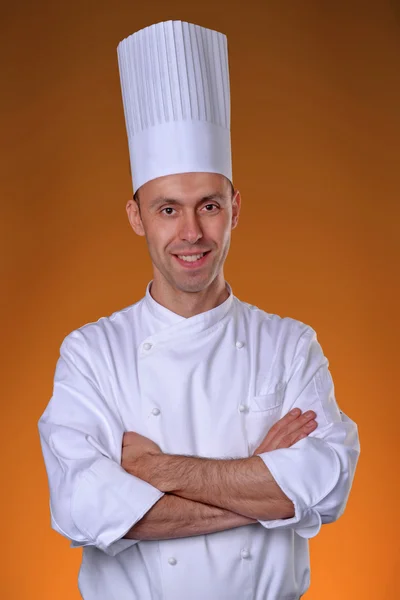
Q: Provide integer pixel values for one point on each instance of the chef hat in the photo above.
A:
(175, 90)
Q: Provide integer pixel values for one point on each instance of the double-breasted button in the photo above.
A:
(245, 553)
(239, 345)
(243, 408)
(147, 346)
(155, 411)
(172, 560)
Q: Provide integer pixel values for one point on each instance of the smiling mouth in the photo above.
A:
(192, 259)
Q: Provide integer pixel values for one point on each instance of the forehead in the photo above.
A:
(185, 187)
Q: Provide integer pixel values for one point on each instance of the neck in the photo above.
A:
(189, 304)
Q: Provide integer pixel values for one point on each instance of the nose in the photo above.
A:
(190, 230)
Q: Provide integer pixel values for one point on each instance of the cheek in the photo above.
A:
(224, 235)
(219, 230)
(159, 236)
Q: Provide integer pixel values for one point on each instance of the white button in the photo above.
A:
(243, 408)
(239, 345)
(147, 346)
(245, 553)
(156, 411)
(172, 560)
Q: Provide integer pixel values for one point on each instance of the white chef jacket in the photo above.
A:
(209, 385)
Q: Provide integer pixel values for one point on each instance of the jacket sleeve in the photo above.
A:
(93, 500)
(317, 472)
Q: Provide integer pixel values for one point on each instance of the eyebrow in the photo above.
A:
(165, 200)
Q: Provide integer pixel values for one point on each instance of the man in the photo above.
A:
(181, 441)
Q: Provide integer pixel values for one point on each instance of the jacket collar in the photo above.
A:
(166, 320)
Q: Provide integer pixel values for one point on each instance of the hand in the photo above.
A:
(135, 447)
(288, 430)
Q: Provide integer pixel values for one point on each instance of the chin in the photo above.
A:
(192, 285)
(191, 288)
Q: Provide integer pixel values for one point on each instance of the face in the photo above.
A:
(187, 220)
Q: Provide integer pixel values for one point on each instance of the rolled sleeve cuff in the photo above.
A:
(306, 473)
(113, 549)
(107, 503)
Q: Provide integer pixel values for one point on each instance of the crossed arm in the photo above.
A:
(208, 495)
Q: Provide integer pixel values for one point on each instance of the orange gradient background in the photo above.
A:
(315, 136)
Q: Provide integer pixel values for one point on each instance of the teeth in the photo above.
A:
(192, 258)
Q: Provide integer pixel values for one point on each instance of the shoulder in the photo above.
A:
(283, 328)
(106, 334)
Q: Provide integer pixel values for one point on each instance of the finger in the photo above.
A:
(299, 437)
(128, 438)
(286, 426)
(296, 436)
(284, 421)
(300, 422)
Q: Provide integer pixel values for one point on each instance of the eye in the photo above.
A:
(210, 207)
(167, 208)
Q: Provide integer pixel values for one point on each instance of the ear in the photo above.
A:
(135, 220)
(236, 202)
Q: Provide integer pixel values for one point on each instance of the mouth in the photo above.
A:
(192, 261)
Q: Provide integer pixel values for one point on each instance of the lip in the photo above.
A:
(195, 264)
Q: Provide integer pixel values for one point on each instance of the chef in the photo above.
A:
(193, 443)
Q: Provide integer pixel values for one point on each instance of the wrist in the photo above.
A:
(144, 467)
(162, 472)
(155, 469)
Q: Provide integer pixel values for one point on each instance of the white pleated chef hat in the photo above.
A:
(176, 96)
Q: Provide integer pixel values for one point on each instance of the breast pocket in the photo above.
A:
(264, 411)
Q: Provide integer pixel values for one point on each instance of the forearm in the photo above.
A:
(175, 517)
(243, 486)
